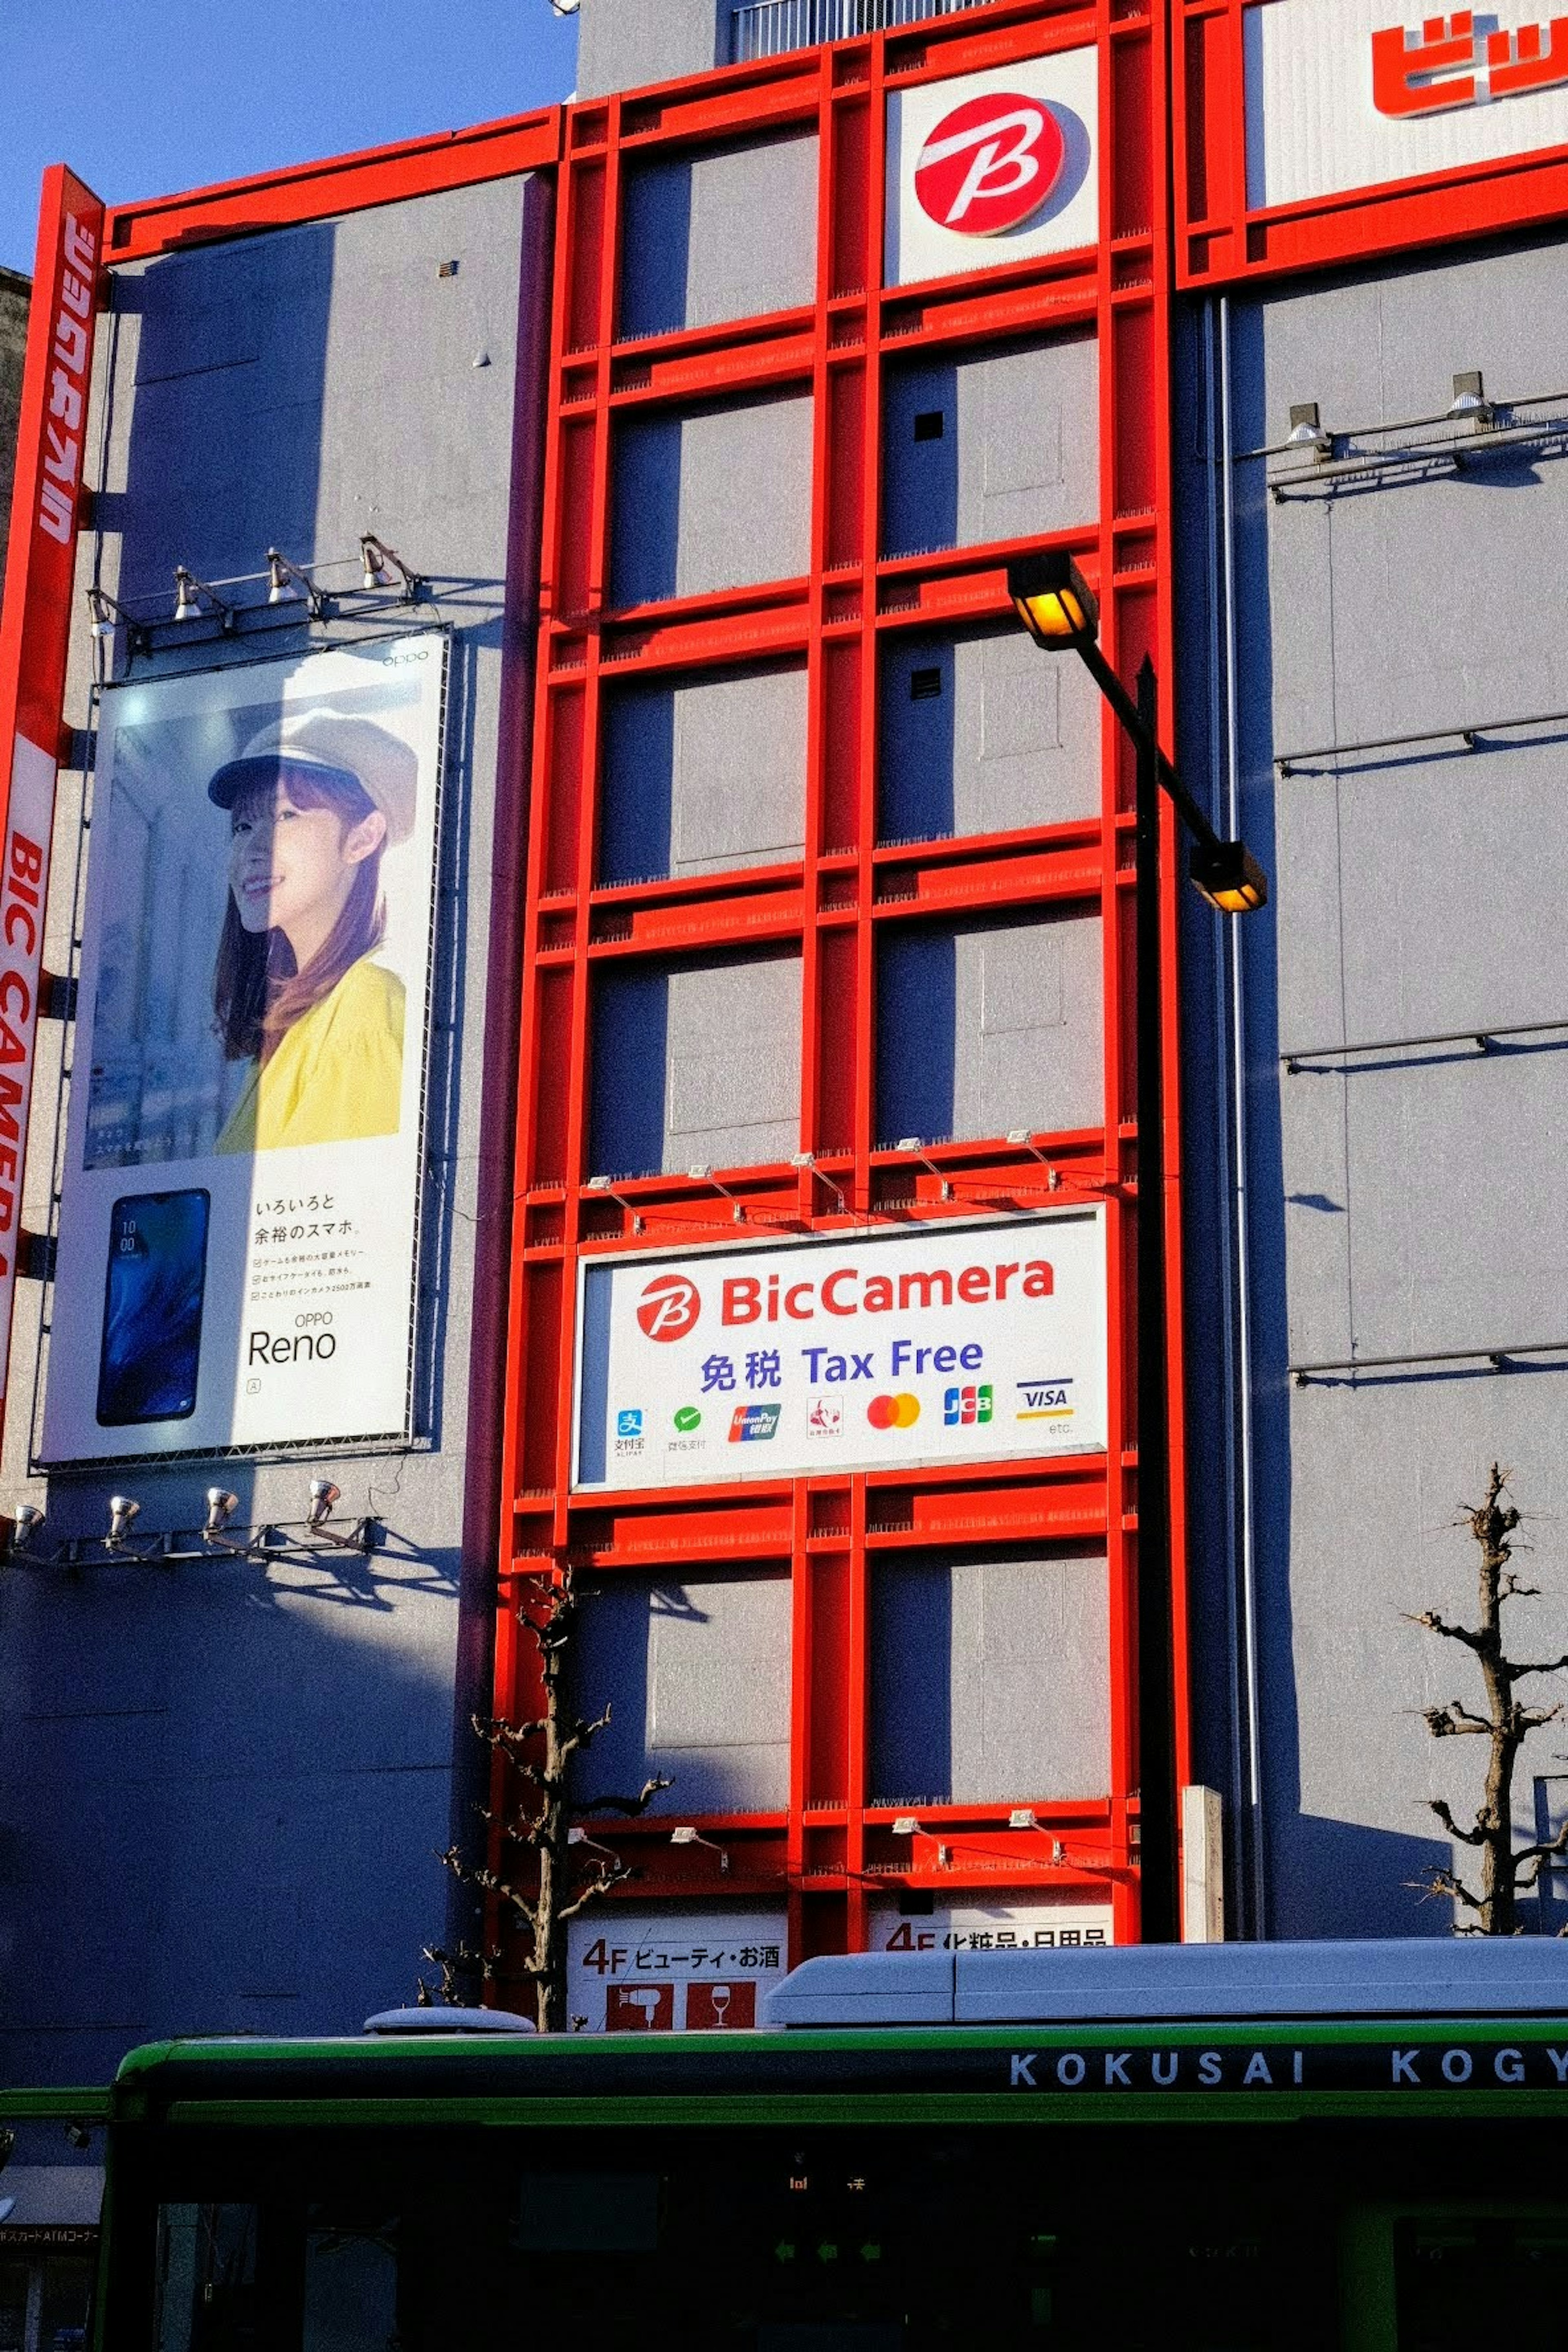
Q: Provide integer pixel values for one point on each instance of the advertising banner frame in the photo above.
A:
(43, 1458)
(34, 643)
(745, 1467)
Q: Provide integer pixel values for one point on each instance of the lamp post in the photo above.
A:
(1056, 606)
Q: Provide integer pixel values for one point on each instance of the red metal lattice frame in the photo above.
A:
(832, 1845)
(1220, 238)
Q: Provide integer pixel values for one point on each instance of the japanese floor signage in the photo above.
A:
(991, 167)
(956, 1344)
(1348, 94)
(1063, 1926)
(242, 1162)
(636, 1971)
(34, 638)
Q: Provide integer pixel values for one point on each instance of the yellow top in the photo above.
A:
(337, 1075)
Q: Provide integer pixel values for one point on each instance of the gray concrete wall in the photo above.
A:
(727, 233)
(699, 1673)
(979, 735)
(695, 1064)
(14, 291)
(667, 802)
(626, 44)
(1409, 1200)
(221, 1784)
(997, 444)
(983, 1027)
(680, 529)
(990, 1680)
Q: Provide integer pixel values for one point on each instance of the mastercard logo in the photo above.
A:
(893, 1412)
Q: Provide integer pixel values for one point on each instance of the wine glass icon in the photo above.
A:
(719, 1996)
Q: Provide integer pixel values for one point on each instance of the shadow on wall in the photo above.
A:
(1344, 1879)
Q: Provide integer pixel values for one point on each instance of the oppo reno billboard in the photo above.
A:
(958, 1344)
(239, 1211)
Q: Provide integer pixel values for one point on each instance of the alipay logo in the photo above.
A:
(628, 1424)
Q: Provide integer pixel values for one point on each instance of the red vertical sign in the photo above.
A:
(35, 637)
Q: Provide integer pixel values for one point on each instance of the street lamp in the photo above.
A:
(1058, 607)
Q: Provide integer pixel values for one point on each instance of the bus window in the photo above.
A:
(1448, 2267)
(206, 2279)
(351, 2288)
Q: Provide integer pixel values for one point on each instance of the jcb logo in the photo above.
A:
(669, 1308)
(990, 164)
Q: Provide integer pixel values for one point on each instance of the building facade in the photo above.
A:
(14, 290)
(777, 976)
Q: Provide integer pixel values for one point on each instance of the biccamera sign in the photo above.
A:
(991, 167)
(963, 1343)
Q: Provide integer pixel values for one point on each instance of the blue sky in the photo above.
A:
(143, 97)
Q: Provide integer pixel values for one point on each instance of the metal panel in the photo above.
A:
(669, 802)
(1002, 445)
(682, 528)
(979, 735)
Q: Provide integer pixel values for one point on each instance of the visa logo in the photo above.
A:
(1044, 1401)
(754, 1421)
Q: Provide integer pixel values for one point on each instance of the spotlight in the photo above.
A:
(25, 1526)
(1469, 404)
(379, 561)
(606, 1185)
(123, 1512)
(687, 1835)
(324, 1498)
(1308, 430)
(193, 597)
(706, 1176)
(915, 1145)
(287, 583)
(108, 614)
(221, 1508)
(807, 1160)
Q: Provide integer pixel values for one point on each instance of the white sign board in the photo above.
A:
(1063, 1926)
(238, 1230)
(1353, 94)
(966, 1344)
(993, 167)
(630, 1971)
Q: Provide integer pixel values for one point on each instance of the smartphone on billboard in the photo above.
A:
(153, 1309)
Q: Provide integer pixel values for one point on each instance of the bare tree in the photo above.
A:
(544, 1867)
(1505, 1875)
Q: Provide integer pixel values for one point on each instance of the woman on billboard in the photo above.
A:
(313, 801)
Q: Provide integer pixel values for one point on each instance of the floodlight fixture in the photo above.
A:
(122, 1514)
(915, 1146)
(324, 1499)
(687, 1835)
(807, 1161)
(706, 1176)
(907, 1825)
(194, 600)
(604, 1185)
(25, 1525)
(288, 583)
(378, 562)
(108, 614)
(221, 1508)
(1022, 1140)
(1469, 404)
(1308, 431)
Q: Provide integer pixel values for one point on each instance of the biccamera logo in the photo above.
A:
(669, 1308)
(990, 164)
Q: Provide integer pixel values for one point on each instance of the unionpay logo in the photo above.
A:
(751, 1422)
(893, 1412)
(669, 1308)
(990, 164)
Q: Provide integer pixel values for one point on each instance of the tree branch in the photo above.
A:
(1478, 1836)
(1436, 1625)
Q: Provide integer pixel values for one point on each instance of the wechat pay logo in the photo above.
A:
(688, 1419)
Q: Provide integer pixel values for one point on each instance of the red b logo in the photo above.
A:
(669, 1308)
(990, 164)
